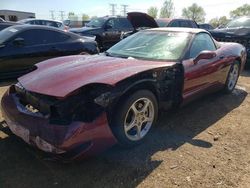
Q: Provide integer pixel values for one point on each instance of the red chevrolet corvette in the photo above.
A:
(77, 106)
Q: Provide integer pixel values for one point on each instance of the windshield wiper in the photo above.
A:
(107, 53)
(115, 55)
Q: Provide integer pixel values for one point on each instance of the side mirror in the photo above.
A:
(107, 26)
(18, 42)
(205, 55)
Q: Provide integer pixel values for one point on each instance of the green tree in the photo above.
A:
(72, 16)
(244, 10)
(167, 9)
(216, 22)
(85, 17)
(194, 12)
(153, 11)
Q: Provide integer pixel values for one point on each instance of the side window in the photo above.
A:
(123, 23)
(174, 24)
(52, 24)
(40, 37)
(184, 24)
(193, 24)
(202, 41)
(111, 22)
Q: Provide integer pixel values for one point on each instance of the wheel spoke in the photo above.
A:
(146, 104)
(133, 107)
(130, 126)
(148, 119)
(138, 129)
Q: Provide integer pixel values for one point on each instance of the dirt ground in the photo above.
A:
(205, 144)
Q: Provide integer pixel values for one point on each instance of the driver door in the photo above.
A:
(112, 33)
(200, 76)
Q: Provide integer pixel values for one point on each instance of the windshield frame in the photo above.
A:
(181, 57)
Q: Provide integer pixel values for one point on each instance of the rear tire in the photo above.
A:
(232, 77)
(135, 117)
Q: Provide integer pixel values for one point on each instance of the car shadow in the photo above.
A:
(22, 166)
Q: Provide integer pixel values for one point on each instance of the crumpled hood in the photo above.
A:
(60, 76)
(230, 32)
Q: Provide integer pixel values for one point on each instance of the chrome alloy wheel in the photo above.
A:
(139, 119)
(233, 76)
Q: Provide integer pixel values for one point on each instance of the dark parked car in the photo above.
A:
(79, 105)
(23, 46)
(50, 23)
(206, 26)
(108, 29)
(169, 22)
(5, 24)
(237, 30)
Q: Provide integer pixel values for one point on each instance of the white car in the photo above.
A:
(51, 23)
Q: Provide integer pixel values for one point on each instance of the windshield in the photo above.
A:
(96, 22)
(152, 45)
(241, 22)
(7, 33)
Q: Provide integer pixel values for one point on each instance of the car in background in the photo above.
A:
(77, 106)
(206, 26)
(2, 20)
(23, 46)
(4, 24)
(109, 29)
(237, 30)
(50, 23)
(176, 22)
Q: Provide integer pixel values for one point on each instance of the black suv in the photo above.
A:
(108, 30)
(237, 30)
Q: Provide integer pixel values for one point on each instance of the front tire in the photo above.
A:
(232, 77)
(135, 118)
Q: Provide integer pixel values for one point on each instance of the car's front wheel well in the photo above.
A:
(140, 86)
(239, 61)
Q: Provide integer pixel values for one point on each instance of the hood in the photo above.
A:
(139, 19)
(60, 76)
(230, 32)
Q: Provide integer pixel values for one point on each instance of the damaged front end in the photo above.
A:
(74, 126)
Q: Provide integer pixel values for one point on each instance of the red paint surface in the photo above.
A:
(209, 75)
(59, 77)
(63, 137)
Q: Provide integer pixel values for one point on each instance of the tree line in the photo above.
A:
(193, 12)
(197, 13)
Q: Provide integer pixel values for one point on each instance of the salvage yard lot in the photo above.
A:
(205, 144)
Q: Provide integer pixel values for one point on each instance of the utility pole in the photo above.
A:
(62, 15)
(113, 9)
(52, 14)
(124, 9)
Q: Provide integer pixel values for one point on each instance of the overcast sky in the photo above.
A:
(213, 8)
